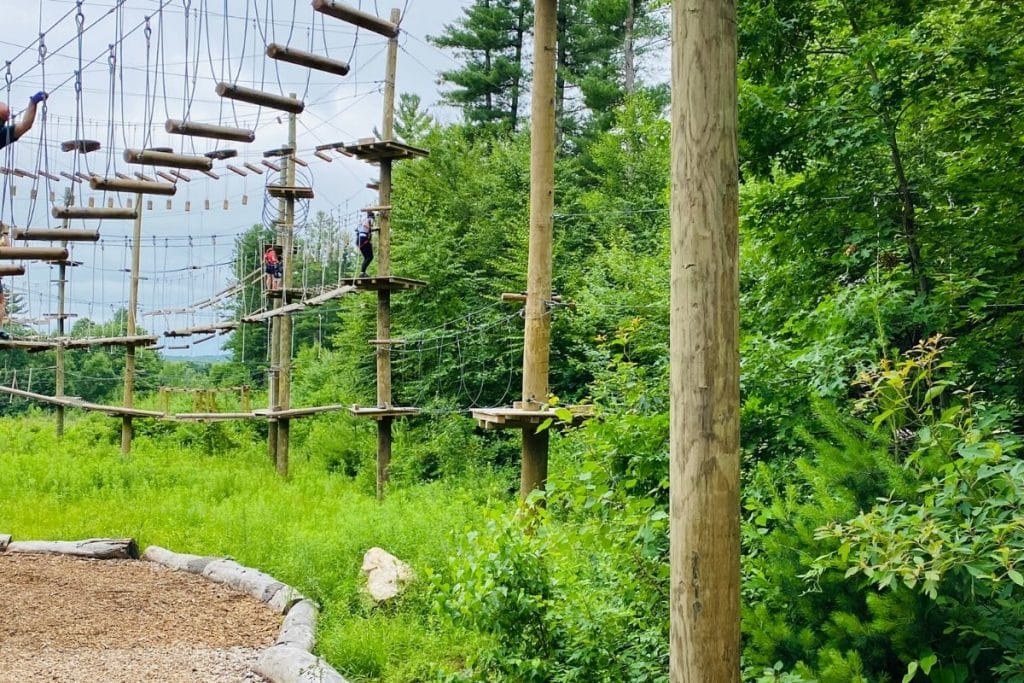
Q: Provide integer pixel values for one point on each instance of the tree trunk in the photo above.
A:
(704, 445)
(517, 82)
(629, 48)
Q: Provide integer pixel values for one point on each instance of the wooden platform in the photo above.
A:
(381, 412)
(519, 418)
(374, 283)
(285, 192)
(374, 151)
(30, 345)
(89, 342)
(215, 328)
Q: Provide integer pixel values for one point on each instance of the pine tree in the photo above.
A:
(490, 39)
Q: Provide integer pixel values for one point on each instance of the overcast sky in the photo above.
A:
(186, 59)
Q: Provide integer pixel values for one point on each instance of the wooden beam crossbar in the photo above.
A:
(33, 253)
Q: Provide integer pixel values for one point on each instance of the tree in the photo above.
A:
(490, 38)
(412, 123)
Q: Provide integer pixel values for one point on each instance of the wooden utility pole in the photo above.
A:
(537, 335)
(704, 413)
(384, 268)
(284, 358)
(133, 306)
(62, 284)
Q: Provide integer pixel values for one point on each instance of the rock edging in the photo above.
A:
(289, 660)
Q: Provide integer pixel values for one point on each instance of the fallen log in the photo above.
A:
(261, 586)
(5, 540)
(283, 664)
(95, 548)
(194, 564)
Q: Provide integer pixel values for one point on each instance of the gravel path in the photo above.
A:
(67, 619)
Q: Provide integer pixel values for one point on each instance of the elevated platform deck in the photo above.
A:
(522, 418)
(374, 151)
(381, 412)
(216, 328)
(211, 417)
(289, 192)
(89, 342)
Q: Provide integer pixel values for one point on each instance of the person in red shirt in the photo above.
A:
(271, 269)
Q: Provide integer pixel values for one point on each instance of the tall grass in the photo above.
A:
(310, 531)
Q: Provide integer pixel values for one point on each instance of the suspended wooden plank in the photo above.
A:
(153, 158)
(65, 174)
(521, 418)
(221, 154)
(307, 59)
(237, 171)
(287, 192)
(204, 130)
(180, 176)
(258, 97)
(81, 146)
(92, 212)
(87, 342)
(356, 17)
(210, 174)
(212, 417)
(55, 234)
(323, 155)
(48, 176)
(254, 168)
(381, 412)
(375, 283)
(338, 147)
(271, 165)
(32, 253)
(299, 412)
(24, 174)
(166, 176)
(143, 176)
(329, 295)
(134, 186)
(11, 271)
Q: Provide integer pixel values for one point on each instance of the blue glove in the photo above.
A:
(38, 97)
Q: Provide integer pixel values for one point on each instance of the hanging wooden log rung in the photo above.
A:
(32, 253)
(307, 59)
(134, 186)
(258, 97)
(203, 130)
(74, 212)
(356, 17)
(11, 271)
(56, 234)
(149, 157)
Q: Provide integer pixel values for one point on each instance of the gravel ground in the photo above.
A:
(67, 619)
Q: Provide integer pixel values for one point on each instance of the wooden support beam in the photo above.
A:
(133, 186)
(258, 97)
(356, 17)
(307, 59)
(92, 212)
(204, 130)
(55, 234)
(151, 158)
(11, 271)
(33, 253)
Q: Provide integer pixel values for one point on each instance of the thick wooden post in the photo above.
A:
(284, 359)
(133, 308)
(384, 268)
(704, 412)
(537, 335)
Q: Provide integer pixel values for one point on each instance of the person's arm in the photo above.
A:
(29, 118)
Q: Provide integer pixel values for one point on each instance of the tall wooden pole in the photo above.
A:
(284, 381)
(133, 307)
(384, 269)
(62, 284)
(537, 335)
(704, 413)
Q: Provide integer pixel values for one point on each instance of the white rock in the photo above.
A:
(386, 575)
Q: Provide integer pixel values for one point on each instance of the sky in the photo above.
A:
(171, 71)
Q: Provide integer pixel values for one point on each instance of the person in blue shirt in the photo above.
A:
(10, 133)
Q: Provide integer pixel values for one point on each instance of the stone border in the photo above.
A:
(289, 660)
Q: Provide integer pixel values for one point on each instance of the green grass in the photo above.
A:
(310, 531)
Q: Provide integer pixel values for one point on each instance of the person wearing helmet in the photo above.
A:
(11, 132)
(365, 243)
